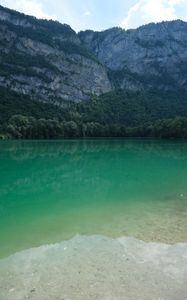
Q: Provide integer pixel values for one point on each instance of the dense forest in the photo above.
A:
(116, 114)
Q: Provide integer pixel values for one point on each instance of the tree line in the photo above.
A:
(23, 127)
(116, 114)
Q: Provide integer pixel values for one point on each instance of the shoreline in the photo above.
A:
(96, 267)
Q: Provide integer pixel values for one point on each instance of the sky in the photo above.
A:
(102, 14)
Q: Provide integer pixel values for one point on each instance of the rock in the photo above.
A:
(153, 55)
(50, 62)
(44, 59)
(101, 268)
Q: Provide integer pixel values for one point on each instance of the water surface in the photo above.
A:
(52, 190)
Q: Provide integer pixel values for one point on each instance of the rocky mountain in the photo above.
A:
(152, 56)
(50, 62)
(45, 59)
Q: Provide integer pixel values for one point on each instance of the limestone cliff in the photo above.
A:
(46, 60)
(154, 55)
(50, 62)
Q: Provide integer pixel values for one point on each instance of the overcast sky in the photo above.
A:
(102, 14)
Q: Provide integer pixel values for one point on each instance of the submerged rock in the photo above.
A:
(96, 267)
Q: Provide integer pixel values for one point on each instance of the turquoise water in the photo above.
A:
(53, 190)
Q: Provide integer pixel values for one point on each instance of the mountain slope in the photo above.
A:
(50, 62)
(45, 59)
(56, 83)
(152, 56)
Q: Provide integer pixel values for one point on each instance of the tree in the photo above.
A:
(71, 129)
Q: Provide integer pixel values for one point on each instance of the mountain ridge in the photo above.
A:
(31, 17)
(142, 57)
(57, 67)
(55, 83)
(65, 65)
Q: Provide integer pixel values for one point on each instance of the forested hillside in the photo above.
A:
(116, 114)
(55, 83)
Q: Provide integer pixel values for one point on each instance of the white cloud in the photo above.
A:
(29, 7)
(174, 2)
(145, 11)
(87, 13)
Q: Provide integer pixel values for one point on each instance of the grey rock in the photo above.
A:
(50, 62)
(147, 54)
(100, 268)
(52, 67)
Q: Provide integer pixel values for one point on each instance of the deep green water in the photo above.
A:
(53, 190)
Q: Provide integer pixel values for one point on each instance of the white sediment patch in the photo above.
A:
(96, 267)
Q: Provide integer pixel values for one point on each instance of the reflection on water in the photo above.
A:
(52, 190)
(20, 150)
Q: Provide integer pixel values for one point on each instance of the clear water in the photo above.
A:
(53, 190)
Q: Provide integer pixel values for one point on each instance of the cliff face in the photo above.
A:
(46, 60)
(50, 62)
(154, 55)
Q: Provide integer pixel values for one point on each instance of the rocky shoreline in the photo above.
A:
(96, 267)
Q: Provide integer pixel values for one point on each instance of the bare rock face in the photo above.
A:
(50, 62)
(45, 60)
(152, 55)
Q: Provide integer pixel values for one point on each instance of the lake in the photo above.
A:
(51, 191)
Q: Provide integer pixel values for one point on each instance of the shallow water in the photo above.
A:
(96, 267)
(52, 190)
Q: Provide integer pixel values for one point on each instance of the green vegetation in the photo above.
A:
(18, 63)
(72, 48)
(162, 78)
(52, 33)
(116, 114)
(49, 26)
(12, 103)
(134, 108)
(22, 127)
(15, 57)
